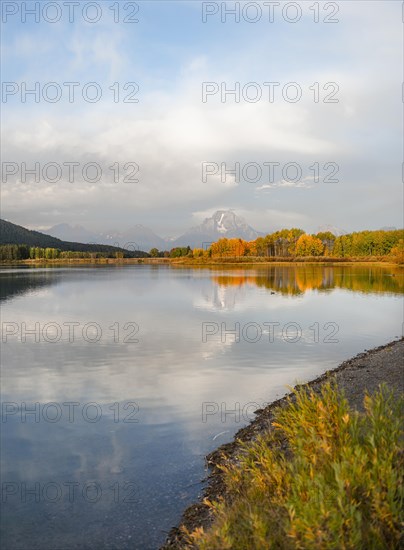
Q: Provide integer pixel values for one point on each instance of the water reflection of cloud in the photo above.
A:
(170, 373)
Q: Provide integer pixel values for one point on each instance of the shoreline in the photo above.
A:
(186, 263)
(364, 372)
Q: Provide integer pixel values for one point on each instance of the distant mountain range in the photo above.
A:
(223, 223)
(138, 239)
(135, 238)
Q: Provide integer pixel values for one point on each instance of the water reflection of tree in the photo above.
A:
(20, 283)
(297, 280)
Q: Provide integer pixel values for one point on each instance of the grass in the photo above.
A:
(326, 477)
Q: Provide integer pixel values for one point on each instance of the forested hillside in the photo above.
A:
(12, 235)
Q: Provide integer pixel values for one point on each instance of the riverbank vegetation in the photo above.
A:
(287, 245)
(325, 477)
(297, 245)
(18, 252)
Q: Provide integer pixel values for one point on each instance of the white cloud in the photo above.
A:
(170, 133)
(302, 184)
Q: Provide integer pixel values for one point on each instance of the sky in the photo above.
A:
(133, 120)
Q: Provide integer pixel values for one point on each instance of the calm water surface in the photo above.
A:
(135, 373)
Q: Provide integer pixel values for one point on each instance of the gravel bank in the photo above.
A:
(354, 377)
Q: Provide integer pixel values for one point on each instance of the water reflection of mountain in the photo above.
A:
(295, 280)
(222, 296)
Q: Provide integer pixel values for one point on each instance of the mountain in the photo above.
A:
(223, 223)
(67, 232)
(137, 237)
(11, 233)
(334, 230)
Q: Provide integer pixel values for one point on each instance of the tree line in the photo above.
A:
(10, 252)
(296, 243)
(177, 252)
(286, 243)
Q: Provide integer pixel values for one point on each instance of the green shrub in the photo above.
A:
(326, 477)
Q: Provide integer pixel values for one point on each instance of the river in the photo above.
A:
(118, 380)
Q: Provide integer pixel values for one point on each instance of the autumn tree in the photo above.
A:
(398, 252)
(328, 240)
(198, 252)
(308, 245)
(261, 246)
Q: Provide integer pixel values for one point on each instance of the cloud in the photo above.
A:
(287, 183)
(171, 132)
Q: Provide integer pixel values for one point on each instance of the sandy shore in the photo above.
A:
(354, 377)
